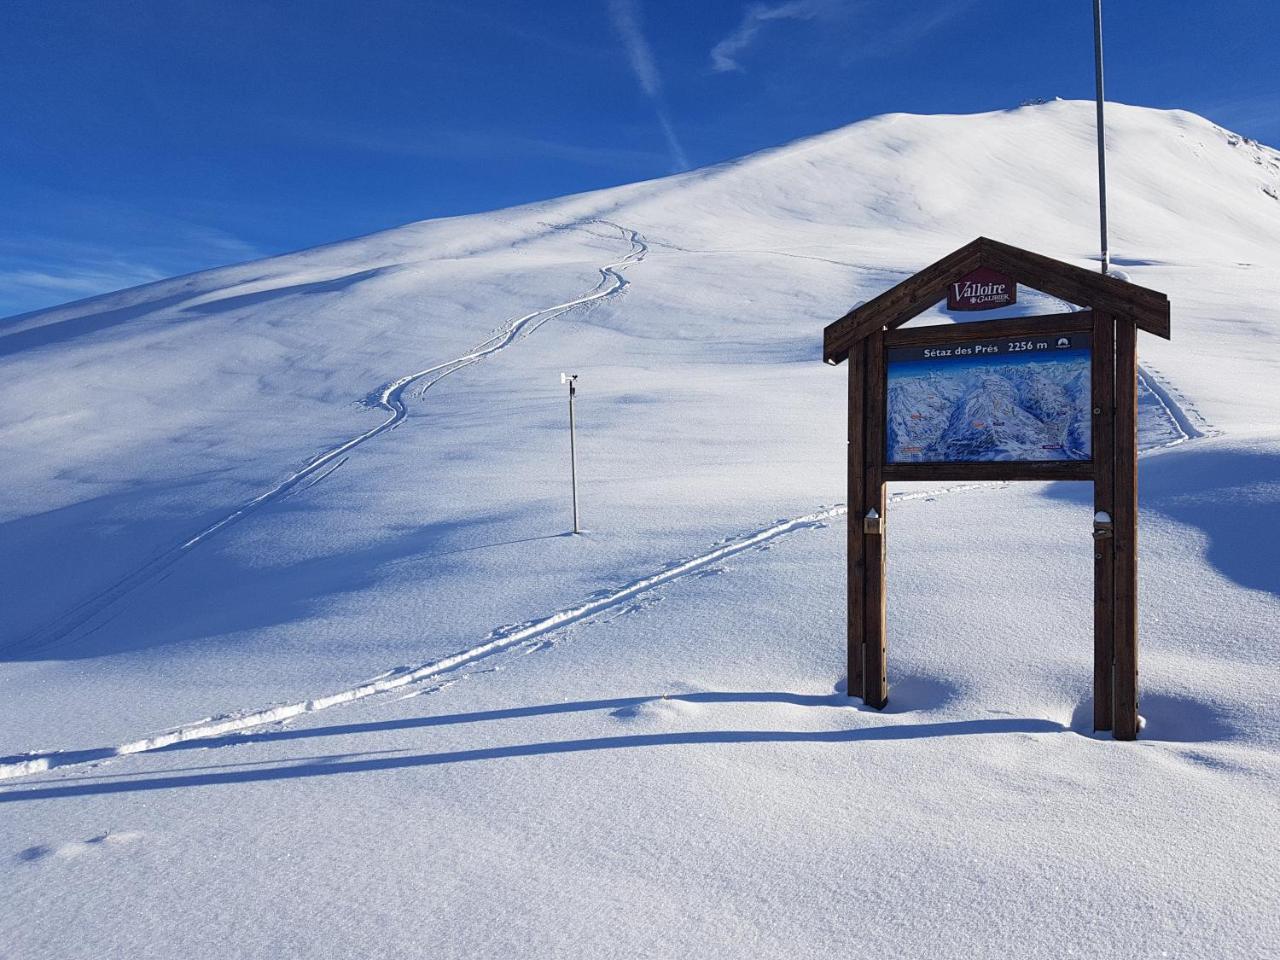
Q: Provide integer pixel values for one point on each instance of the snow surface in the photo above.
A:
(298, 660)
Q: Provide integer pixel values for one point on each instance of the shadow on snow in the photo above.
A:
(73, 328)
(225, 594)
(1232, 496)
(376, 761)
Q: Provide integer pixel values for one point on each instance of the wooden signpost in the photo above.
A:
(1031, 398)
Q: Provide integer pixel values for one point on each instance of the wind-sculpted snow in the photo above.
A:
(500, 640)
(424, 702)
(389, 398)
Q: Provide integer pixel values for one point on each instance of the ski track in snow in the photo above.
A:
(388, 397)
(1182, 420)
(531, 634)
(498, 641)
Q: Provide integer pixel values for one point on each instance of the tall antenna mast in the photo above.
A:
(1102, 137)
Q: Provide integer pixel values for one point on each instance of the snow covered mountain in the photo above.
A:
(289, 613)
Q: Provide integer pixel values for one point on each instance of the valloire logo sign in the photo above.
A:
(981, 289)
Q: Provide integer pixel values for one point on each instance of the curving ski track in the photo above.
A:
(388, 397)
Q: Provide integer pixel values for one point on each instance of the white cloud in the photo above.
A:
(678, 156)
(104, 245)
(485, 144)
(626, 20)
(725, 54)
(35, 285)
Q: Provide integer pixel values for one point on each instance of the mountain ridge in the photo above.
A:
(920, 133)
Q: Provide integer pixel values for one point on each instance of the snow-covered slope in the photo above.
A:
(242, 494)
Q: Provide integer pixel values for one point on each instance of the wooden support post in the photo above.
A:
(857, 581)
(1126, 533)
(874, 676)
(1104, 378)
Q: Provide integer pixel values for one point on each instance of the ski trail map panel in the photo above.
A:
(1022, 399)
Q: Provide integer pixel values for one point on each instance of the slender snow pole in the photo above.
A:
(569, 378)
(1102, 143)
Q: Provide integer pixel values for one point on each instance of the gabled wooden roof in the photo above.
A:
(1149, 309)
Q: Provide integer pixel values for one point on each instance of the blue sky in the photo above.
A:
(141, 139)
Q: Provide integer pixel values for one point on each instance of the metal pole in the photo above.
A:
(1102, 148)
(573, 448)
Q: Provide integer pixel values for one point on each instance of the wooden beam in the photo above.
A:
(1037, 264)
(1148, 308)
(991, 470)
(1103, 399)
(1126, 534)
(857, 566)
(874, 674)
(900, 303)
(908, 299)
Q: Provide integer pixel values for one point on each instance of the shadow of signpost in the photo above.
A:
(368, 762)
(1232, 496)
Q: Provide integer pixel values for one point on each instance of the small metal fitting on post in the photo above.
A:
(1102, 525)
(873, 523)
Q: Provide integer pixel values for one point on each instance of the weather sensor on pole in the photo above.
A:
(569, 378)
